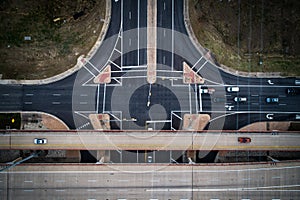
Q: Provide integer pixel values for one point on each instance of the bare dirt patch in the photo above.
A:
(59, 31)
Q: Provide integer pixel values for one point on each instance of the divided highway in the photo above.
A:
(193, 182)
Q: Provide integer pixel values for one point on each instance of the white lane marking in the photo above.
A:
(254, 95)
(172, 64)
(117, 50)
(83, 126)
(56, 94)
(78, 113)
(5, 94)
(89, 71)
(98, 89)
(196, 99)
(135, 67)
(164, 5)
(29, 94)
(83, 102)
(154, 181)
(115, 64)
(123, 180)
(164, 59)
(104, 96)
(55, 102)
(129, 41)
(28, 102)
(197, 62)
(190, 99)
(276, 177)
(246, 179)
(138, 32)
(202, 66)
(164, 32)
(83, 95)
(27, 181)
(282, 104)
(177, 116)
(92, 180)
(129, 14)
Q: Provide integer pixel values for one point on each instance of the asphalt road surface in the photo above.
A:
(263, 181)
(132, 103)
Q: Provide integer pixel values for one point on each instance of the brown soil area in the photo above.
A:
(52, 123)
(267, 31)
(267, 126)
(57, 38)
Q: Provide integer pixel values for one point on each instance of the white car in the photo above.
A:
(207, 91)
(40, 141)
(233, 89)
(240, 99)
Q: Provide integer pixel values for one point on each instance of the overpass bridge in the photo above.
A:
(149, 140)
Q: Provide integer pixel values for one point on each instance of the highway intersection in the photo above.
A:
(114, 81)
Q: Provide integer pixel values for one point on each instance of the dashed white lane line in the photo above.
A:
(55, 102)
(5, 94)
(123, 180)
(83, 102)
(276, 177)
(129, 14)
(27, 181)
(28, 190)
(84, 125)
(282, 104)
(28, 94)
(56, 95)
(28, 102)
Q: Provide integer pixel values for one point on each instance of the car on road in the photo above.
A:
(40, 141)
(292, 91)
(233, 89)
(149, 159)
(207, 91)
(244, 139)
(240, 99)
(272, 100)
(219, 99)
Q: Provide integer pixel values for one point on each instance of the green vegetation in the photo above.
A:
(267, 32)
(57, 39)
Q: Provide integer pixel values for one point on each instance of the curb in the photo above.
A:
(204, 51)
(78, 64)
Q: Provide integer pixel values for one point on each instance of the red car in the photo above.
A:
(244, 139)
